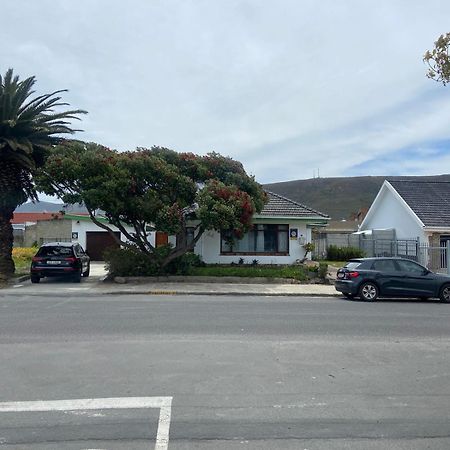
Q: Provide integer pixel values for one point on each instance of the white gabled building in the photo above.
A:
(414, 208)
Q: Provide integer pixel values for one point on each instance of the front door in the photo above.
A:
(97, 242)
(161, 238)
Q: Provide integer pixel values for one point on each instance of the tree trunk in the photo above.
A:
(6, 243)
(12, 194)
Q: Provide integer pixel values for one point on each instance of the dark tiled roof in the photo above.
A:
(279, 206)
(430, 200)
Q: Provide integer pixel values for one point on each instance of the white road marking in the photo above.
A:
(163, 403)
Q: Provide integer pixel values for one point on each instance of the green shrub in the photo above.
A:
(184, 264)
(131, 262)
(335, 253)
(247, 270)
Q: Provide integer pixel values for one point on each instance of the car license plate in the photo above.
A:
(54, 263)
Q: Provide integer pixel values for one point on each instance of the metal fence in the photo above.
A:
(436, 259)
(406, 248)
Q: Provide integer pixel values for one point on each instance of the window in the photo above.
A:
(262, 239)
(55, 251)
(410, 267)
(384, 265)
(190, 235)
(352, 265)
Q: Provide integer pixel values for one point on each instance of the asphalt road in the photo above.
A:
(242, 372)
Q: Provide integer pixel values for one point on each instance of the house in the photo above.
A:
(415, 209)
(415, 213)
(278, 236)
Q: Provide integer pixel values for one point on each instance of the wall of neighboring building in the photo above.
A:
(208, 247)
(390, 212)
(47, 231)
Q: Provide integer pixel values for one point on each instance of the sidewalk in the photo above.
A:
(186, 288)
(95, 287)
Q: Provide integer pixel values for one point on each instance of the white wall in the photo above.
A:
(208, 247)
(390, 212)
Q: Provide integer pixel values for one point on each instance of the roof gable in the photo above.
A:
(429, 200)
(279, 206)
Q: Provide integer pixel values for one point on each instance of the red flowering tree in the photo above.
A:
(154, 189)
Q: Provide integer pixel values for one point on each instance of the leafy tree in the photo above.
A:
(438, 60)
(28, 127)
(154, 189)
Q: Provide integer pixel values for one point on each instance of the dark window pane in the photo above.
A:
(55, 251)
(409, 266)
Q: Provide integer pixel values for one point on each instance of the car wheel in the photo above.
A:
(35, 279)
(368, 292)
(349, 296)
(87, 272)
(77, 278)
(444, 295)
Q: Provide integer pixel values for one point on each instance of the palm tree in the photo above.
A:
(28, 128)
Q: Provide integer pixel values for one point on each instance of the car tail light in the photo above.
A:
(37, 259)
(353, 274)
(72, 259)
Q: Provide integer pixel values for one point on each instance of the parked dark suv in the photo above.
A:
(370, 278)
(57, 259)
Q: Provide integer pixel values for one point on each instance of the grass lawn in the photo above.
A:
(295, 272)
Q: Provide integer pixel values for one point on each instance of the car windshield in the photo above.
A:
(55, 251)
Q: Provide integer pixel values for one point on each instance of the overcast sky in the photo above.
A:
(286, 87)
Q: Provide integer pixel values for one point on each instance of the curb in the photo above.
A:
(22, 278)
(182, 293)
(226, 294)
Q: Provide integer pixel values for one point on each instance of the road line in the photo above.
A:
(164, 404)
(162, 435)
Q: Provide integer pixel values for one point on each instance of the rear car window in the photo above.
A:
(55, 251)
(352, 265)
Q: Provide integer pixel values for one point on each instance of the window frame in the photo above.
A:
(265, 253)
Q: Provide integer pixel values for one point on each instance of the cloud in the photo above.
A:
(285, 87)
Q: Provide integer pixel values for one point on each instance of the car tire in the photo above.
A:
(77, 278)
(87, 272)
(444, 294)
(349, 296)
(368, 292)
(35, 279)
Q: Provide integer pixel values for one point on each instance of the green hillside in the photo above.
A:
(337, 197)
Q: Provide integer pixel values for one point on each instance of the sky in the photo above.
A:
(292, 89)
